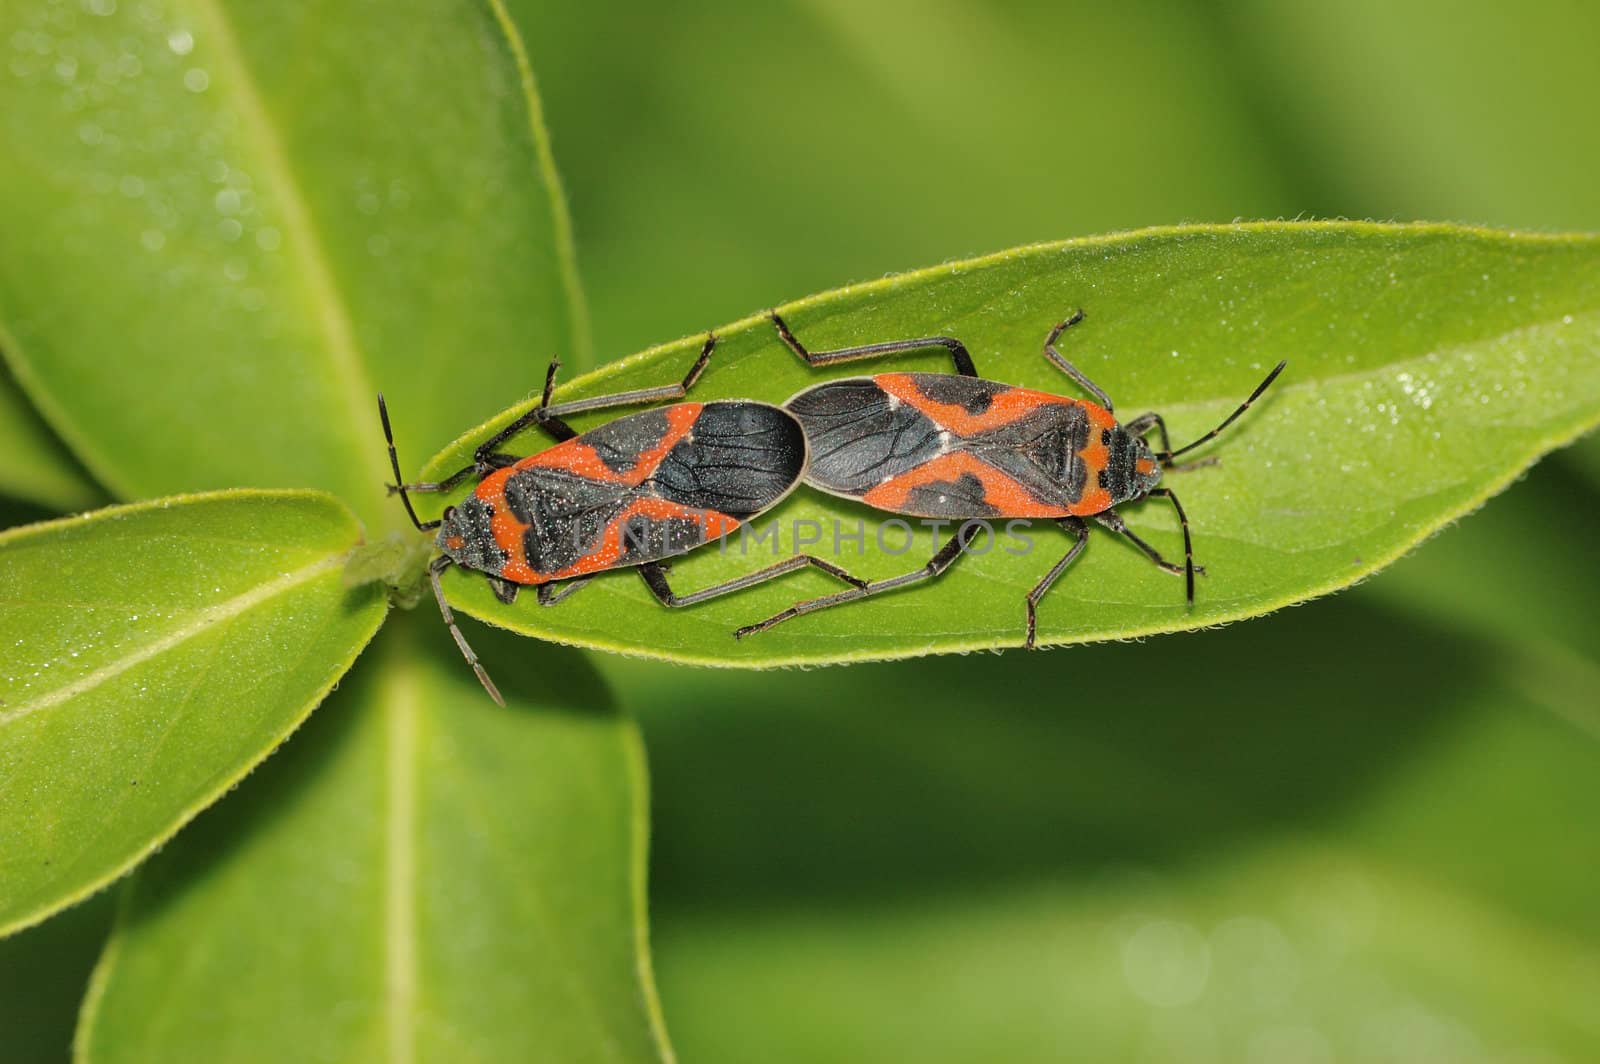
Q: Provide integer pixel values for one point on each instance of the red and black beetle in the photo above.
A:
(629, 493)
(961, 448)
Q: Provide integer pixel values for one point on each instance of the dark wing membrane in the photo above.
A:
(860, 435)
(567, 515)
(621, 442)
(739, 458)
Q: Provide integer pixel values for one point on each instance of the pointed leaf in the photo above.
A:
(153, 654)
(252, 216)
(421, 876)
(1428, 365)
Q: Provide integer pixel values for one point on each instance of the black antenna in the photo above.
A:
(399, 484)
(1166, 457)
(439, 564)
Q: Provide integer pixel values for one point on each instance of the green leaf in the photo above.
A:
(1363, 845)
(1428, 365)
(252, 217)
(701, 206)
(153, 654)
(1356, 125)
(421, 875)
(43, 974)
(33, 464)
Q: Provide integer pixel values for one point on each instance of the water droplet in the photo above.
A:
(131, 186)
(101, 7)
(196, 80)
(226, 201)
(268, 239)
(181, 41)
(153, 239)
(230, 229)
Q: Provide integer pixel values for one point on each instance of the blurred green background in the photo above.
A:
(1358, 830)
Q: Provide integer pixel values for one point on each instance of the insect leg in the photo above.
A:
(550, 594)
(1188, 548)
(629, 398)
(504, 590)
(1110, 519)
(1075, 526)
(941, 561)
(1068, 368)
(440, 564)
(655, 579)
(958, 350)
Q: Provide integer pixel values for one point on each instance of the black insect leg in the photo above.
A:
(1111, 520)
(941, 561)
(440, 564)
(504, 590)
(655, 578)
(550, 594)
(1079, 530)
(958, 350)
(1068, 368)
(545, 412)
(485, 459)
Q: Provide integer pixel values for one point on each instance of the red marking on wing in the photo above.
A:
(1000, 491)
(1005, 407)
(609, 551)
(578, 457)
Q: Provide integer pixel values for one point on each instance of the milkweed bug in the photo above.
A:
(964, 448)
(630, 493)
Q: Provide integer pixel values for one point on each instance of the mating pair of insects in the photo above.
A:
(653, 485)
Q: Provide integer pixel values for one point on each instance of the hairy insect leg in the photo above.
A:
(637, 396)
(655, 578)
(942, 560)
(550, 594)
(1110, 519)
(550, 417)
(1080, 531)
(1060, 362)
(958, 350)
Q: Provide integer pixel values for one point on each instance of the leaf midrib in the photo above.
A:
(304, 242)
(197, 624)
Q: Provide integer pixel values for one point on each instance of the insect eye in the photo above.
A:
(1105, 437)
